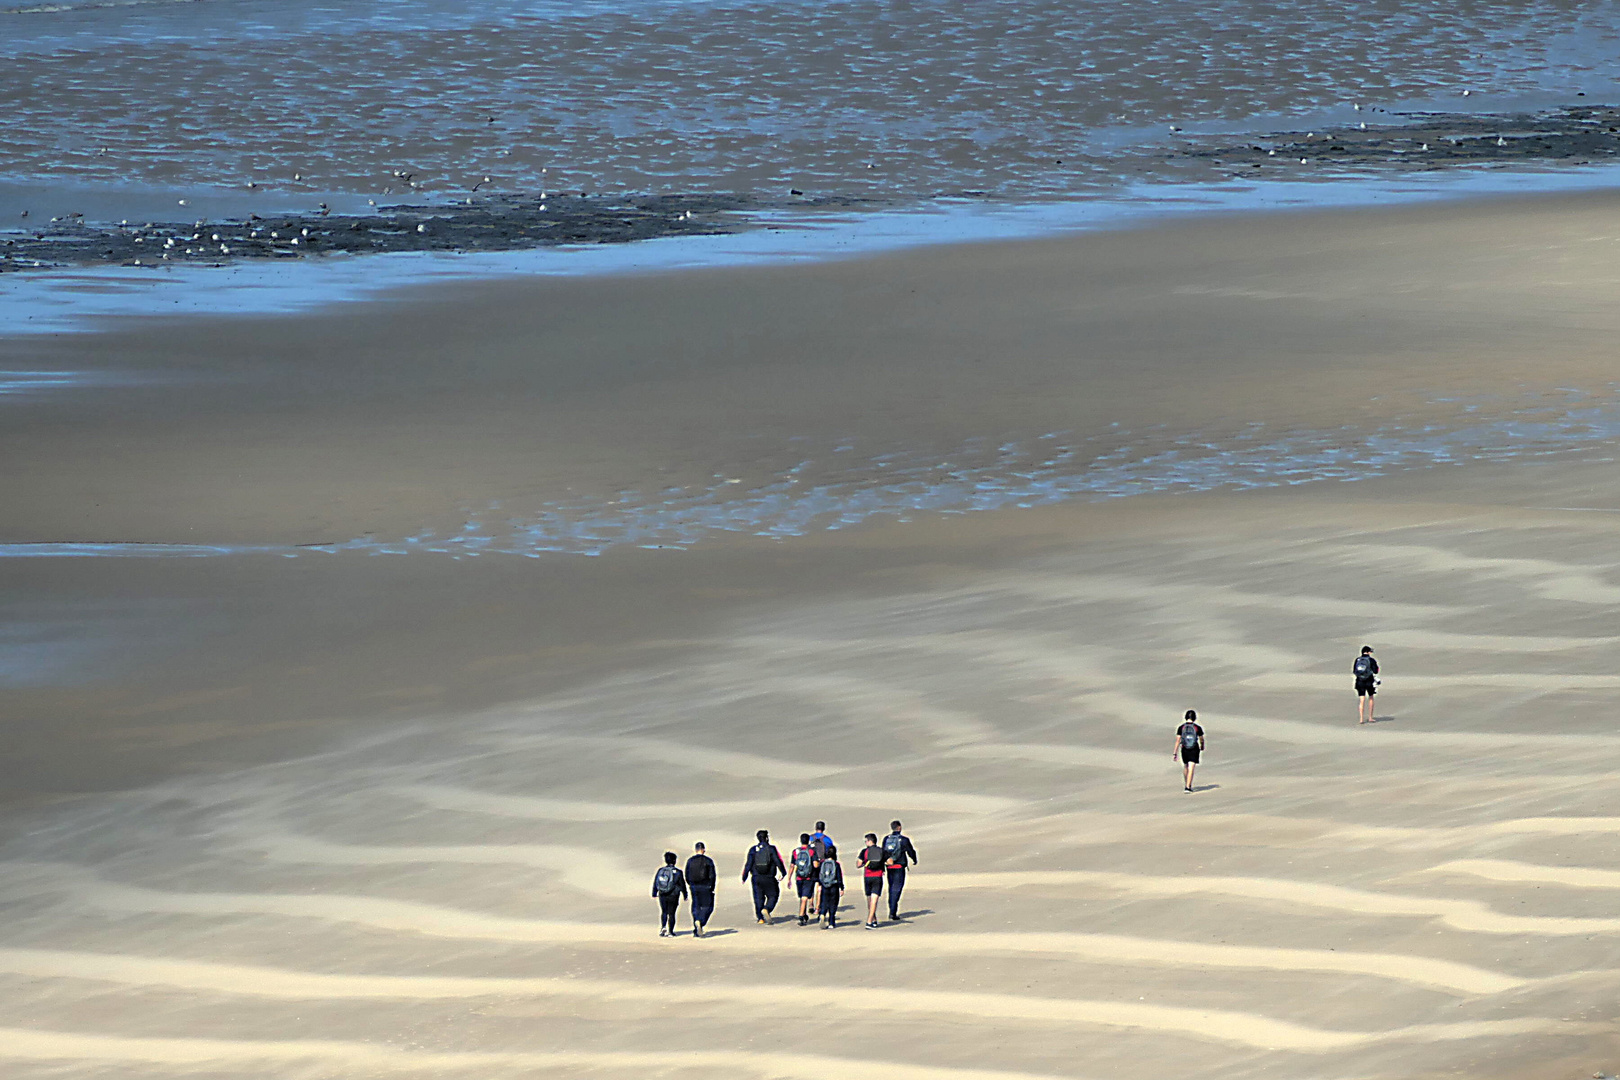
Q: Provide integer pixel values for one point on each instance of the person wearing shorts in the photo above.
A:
(1189, 747)
(1365, 669)
(804, 881)
(872, 868)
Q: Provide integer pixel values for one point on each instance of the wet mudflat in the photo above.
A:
(497, 223)
(1575, 135)
(1385, 143)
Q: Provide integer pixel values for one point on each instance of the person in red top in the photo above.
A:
(803, 864)
(872, 866)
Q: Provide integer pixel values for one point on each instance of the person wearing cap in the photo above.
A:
(897, 846)
(764, 865)
(701, 879)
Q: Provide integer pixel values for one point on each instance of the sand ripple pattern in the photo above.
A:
(472, 897)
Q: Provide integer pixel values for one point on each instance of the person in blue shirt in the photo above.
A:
(821, 843)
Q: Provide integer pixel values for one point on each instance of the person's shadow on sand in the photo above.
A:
(714, 933)
(1382, 720)
(917, 913)
(1205, 787)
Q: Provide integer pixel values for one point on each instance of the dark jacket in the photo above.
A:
(700, 872)
(680, 884)
(839, 884)
(906, 851)
(778, 867)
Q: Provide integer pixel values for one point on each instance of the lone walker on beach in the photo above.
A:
(1365, 669)
(701, 879)
(1189, 747)
(764, 865)
(897, 853)
(669, 887)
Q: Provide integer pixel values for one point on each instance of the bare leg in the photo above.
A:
(871, 908)
(1187, 768)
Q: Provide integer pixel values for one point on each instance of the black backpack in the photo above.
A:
(764, 859)
(804, 864)
(1362, 667)
(664, 880)
(829, 874)
(894, 846)
(1189, 736)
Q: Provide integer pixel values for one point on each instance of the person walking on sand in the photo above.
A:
(822, 843)
(873, 863)
(764, 865)
(701, 879)
(1365, 669)
(804, 864)
(831, 879)
(897, 852)
(1189, 747)
(669, 887)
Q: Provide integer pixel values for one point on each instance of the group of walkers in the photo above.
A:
(818, 876)
(1190, 736)
(813, 866)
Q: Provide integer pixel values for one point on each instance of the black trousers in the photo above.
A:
(702, 906)
(829, 905)
(667, 907)
(897, 881)
(766, 893)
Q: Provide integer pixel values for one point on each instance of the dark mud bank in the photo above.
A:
(494, 223)
(1576, 135)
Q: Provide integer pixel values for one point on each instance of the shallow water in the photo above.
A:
(849, 483)
(109, 100)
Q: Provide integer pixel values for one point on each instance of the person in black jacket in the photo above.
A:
(897, 847)
(831, 878)
(1365, 669)
(701, 879)
(669, 888)
(764, 865)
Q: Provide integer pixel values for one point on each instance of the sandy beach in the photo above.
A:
(334, 813)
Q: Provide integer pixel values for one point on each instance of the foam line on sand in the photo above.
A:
(1565, 582)
(438, 921)
(1576, 877)
(584, 869)
(1091, 588)
(1147, 713)
(342, 1059)
(1098, 948)
(1468, 915)
(1498, 680)
(1096, 757)
(1492, 643)
(531, 807)
(1202, 1024)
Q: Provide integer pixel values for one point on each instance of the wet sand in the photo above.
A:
(348, 814)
